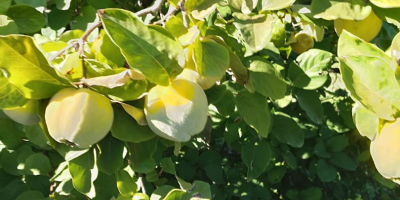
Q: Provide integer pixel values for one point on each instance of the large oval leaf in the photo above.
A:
(275, 4)
(256, 30)
(255, 111)
(267, 80)
(372, 82)
(27, 69)
(311, 69)
(343, 9)
(386, 3)
(150, 49)
(28, 19)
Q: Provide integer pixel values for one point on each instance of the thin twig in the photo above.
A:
(152, 9)
(79, 42)
(181, 5)
(172, 9)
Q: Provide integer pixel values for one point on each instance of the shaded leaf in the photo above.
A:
(325, 171)
(266, 79)
(286, 130)
(111, 156)
(256, 156)
(28, 19)
(255, 111)
(343, 9)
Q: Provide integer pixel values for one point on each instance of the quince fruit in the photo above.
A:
(366, 29)
(178, 111)
(26, 115)
(79, 117)
(303, 42)
(385, 150)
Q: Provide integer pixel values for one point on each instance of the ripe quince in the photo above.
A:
(385, 150)
(79, 117)
(178, 111)
(366, 29)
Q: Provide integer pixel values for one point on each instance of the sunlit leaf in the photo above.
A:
(149, 49)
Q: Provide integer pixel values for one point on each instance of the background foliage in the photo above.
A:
(280, 123)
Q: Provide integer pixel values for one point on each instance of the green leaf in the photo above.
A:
(215, 173)
(175, 194)
(310, 71)
(371, 82)
(256, 156)
(325, 171)
(276, 174)
(309, 101)
(176, 27)
(266, 79)
(344, 161)
(275, 4)
(255, 111)
(168, 166)
(367, 123)
(111, 156)
(161, 192)
(35, 134)
(124, 86)
(40, 5)
(200, 8)
(37, 164)
(109, 53)
(388, 14)
(28, 19)
(7, 26)
(63, 4)
(312, 193)
(386, 3)
(337, 143)
(4, 5)
(256, 30)
(211, 58)
(126, 128)
(27, 69)
(150, 49)
(30, 195)
(286, 130)
(351, 45)
(343, 9)
(103, 4)
(10, 134)
(140, 196)
(141, 155)
(246, 6)
(290, 159)
(125, 183)
(152, 176)
(87, 15)
(320, 150)
(83, 173)
(13, 190)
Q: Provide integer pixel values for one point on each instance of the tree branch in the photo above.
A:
(152, 9)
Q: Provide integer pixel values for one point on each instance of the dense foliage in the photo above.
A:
(231, 99)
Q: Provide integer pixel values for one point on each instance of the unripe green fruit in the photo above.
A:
(26, 115)
(303, 43)
(79, 117)
(178, 111)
